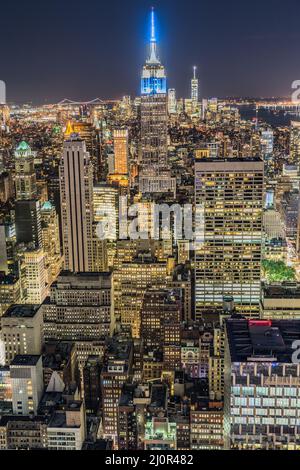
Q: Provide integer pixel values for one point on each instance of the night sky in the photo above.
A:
(83, 49)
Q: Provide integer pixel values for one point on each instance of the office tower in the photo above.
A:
(23, 433)
(51, 240)
(106, 209)
(216, 364)
(190, 350)
(34, 276)
(120, 138)
(80, 310)
(25, 177)
(10, 291)
(154, 167)
(295, 143)
(6, 187)
(21, 331)
(28, 222)
(66, 429)
(267, 144)
(182, 285)
(131, 281)
(3, 251)
(127, 418)
(280, 301)
(117, 369)
(206, 431)
(26, 373)
(76, 192)
(106, 223)
(91, 136)
(160, 434)
(261, 409)
(160, 325)
(229, 199)
(171, 101)
(92, 384)
(194, 90)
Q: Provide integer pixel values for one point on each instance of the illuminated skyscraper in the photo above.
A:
(229, 199)
(194, 89)
(51, 240)
(121, 151)
(24, 173)
(171, 101)
(76, 193)
(267, 143)
(261, 406)
(295, 142)
(154, 174)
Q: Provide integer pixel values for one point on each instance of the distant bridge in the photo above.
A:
(280, 105)
(67, 102)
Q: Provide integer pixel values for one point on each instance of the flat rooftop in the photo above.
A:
(262, 340)
(21, 311)
(288, 291)
(25, 360)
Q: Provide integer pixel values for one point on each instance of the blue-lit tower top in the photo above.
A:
(153, 75)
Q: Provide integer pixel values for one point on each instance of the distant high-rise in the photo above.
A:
(80, 310)
(229, 199)
(51, 240)
(28, 222)
(171, 101)
(154, 171)
(34, 276)
(25, 177)
(76, 193)
(121, 151)
(194, 89)
(295, 142)
(261, 409)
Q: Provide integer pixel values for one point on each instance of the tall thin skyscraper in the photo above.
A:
(121, 151)
(76, 193)
(25, 177)
(172, 101)
(194, 89)
(295, 143)
(154, 168)
(229, 201)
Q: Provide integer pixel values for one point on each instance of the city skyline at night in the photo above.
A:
(239, 49)
(150, 229)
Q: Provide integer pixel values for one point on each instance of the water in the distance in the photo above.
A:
(278, 118)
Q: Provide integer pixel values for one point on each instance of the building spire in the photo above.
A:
(153, 57)
(194, 70)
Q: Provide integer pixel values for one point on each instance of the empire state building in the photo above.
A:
(154, 168)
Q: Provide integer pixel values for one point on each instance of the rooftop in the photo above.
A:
(285, 290)
(23, 146)
(262, 340)
(21, 311)
(25, 360)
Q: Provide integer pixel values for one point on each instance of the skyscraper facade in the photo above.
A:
(295, 142)
(121, 151)
(76, 193)
(229, 199)
(154, 168)
(194, 90)
(25, 177)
